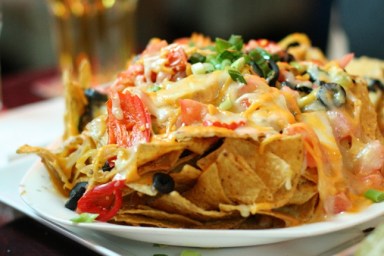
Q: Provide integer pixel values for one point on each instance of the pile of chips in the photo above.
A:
(219, 135)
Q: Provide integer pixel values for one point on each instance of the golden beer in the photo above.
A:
(101, 31)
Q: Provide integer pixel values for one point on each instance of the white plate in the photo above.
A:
(37, 192)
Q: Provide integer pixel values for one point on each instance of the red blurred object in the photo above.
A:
(18, 89)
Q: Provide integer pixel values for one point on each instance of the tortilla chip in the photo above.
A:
(140, 220)
(147, 152)
(163, 163)
(240, 183)
(208, 192)
(186, 178)
(52, 163)
(305, 190)
(303, 213)
(163, 218)
(175, 203)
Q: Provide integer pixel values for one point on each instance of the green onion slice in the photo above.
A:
(85, 218)
(374, 195)
(236, 76)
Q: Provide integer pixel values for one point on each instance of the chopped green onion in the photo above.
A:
(85, 218)
(202, 68)
(238, 64)
(237, 42)
(224, 64)
(190, 253)
(374, 195)
(222, 45)
(154, 88)
(236, 76)
(196, 57)
(229, 55)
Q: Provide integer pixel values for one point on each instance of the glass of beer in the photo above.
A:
(100, 31)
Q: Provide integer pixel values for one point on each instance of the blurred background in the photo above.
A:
(334, 26)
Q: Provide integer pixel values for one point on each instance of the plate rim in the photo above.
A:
(343, 221)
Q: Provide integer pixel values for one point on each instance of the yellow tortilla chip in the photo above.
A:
(175, 203)
(208, 191)
(160, 218)
(240, 183)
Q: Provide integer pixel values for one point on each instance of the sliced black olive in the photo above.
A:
(304, 88)
(95, 95)
(272, 79)
(257, 69)
(273, 74)
(85, 118)
(163, 182)
(298, 87)
(289, 84)
(95, 99)
(286, 57)
(331, 95)
(374, 85)
(108, 166)
(75, 194)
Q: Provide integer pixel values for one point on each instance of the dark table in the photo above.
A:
(21, 235)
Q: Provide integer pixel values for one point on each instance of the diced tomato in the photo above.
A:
(337, 203)
(370, 158)
(342, 125)
(105, 200)
(134, 126)
(177, 60)
(373, 180)
(128, 76)
(192, 111)
(268, 45)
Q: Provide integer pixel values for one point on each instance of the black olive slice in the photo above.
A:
(107, 166)
(331, 95)
(75, 194)
(374, 85)
(272, 79)
(163, 182)
(287, 57)
(256, 68)
(95, 95)
(95, 99)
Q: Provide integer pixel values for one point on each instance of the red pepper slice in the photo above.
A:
(135, 125)
(230, 126)
(105, 200)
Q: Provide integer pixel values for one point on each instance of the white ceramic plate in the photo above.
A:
(36, 190)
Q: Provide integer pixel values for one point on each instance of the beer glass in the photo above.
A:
(101, 31)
